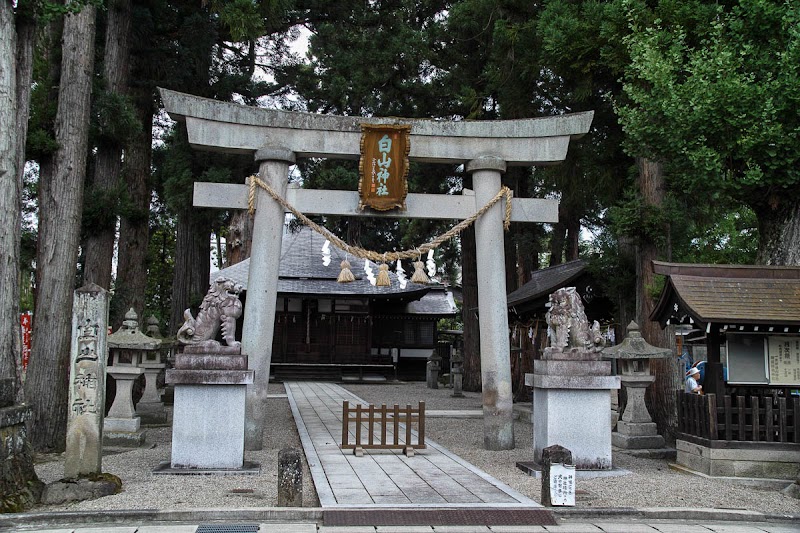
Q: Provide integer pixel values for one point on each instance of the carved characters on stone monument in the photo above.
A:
(220, 309)
(85, 370)
(567, 325)
(87, 382)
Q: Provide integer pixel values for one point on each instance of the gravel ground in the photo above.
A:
(650, 484)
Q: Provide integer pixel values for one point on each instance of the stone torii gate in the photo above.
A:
(276, 138)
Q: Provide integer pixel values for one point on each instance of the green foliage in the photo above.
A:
(721, 113)
(114, 117)
(101, 207)
(730, 237)
(632, 217)
(160, 265)
(611, 262)
(241, 17)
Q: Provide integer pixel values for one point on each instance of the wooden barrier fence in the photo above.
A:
(383, 417)
(739, 418)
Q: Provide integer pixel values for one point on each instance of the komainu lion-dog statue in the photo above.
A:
(220, 309)
(567, 325)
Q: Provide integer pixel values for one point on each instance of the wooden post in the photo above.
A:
(712, 416)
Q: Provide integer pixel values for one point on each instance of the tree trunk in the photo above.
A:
(779, 230)
(572, 249)
(19, 485)
(99, 242)
(558, 238)
(469, 312)
(192, 264)
(10, 194)
(60, 202)
(26, 39)
(131, 282)
(661, 394)
(240, 237)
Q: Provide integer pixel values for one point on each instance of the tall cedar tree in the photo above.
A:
(60, 202)
(114, 122)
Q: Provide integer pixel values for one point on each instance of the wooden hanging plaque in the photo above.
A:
(383, 167)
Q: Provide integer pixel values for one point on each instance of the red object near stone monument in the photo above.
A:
(26, 326)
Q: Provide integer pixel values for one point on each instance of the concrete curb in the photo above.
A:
(315, 514)
(671, 513)
(191, 516)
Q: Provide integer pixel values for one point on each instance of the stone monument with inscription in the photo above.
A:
(210, 380)
(571, 387)
(87, 382)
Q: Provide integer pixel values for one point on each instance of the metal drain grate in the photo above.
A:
(227, 528)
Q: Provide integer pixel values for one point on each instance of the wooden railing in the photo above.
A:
(739, 418)
(379, 427)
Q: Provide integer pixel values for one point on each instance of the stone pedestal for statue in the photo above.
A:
(571, 388)
(636, 430)
(210, 380)
(209, 411)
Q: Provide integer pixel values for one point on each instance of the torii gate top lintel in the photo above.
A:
(235, 128)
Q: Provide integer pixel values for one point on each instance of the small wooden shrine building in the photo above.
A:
(751, 319)
(326, 329)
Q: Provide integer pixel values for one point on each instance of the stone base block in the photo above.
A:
(248, 468)
(78, 490)
(570, 354)
(605, 383)
(126, 425)
(637, 442)
(208, 427)
(124, 439)
(742, 459)
(576, 419)
(572, 368)
(209, 377)
(637, 429)
(208, 361)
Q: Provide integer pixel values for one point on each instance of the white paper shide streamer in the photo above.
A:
(369, 272)
(326, 253)
(430, 264)
(401, 274)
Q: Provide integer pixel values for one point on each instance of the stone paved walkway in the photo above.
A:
(433, 477)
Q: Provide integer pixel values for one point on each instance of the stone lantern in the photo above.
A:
(636, 430)
(128, 349)
(167, 351)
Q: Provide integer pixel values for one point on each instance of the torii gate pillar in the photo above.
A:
(498, 422)
(259, 321)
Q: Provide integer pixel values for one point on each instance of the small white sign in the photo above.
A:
(562, 484)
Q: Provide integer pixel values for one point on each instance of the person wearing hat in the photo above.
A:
(691, 381)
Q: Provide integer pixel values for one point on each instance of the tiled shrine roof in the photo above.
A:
(728, 294)
(547, 280)
(302, 272)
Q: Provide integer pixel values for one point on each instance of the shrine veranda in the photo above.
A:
(277, 138)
